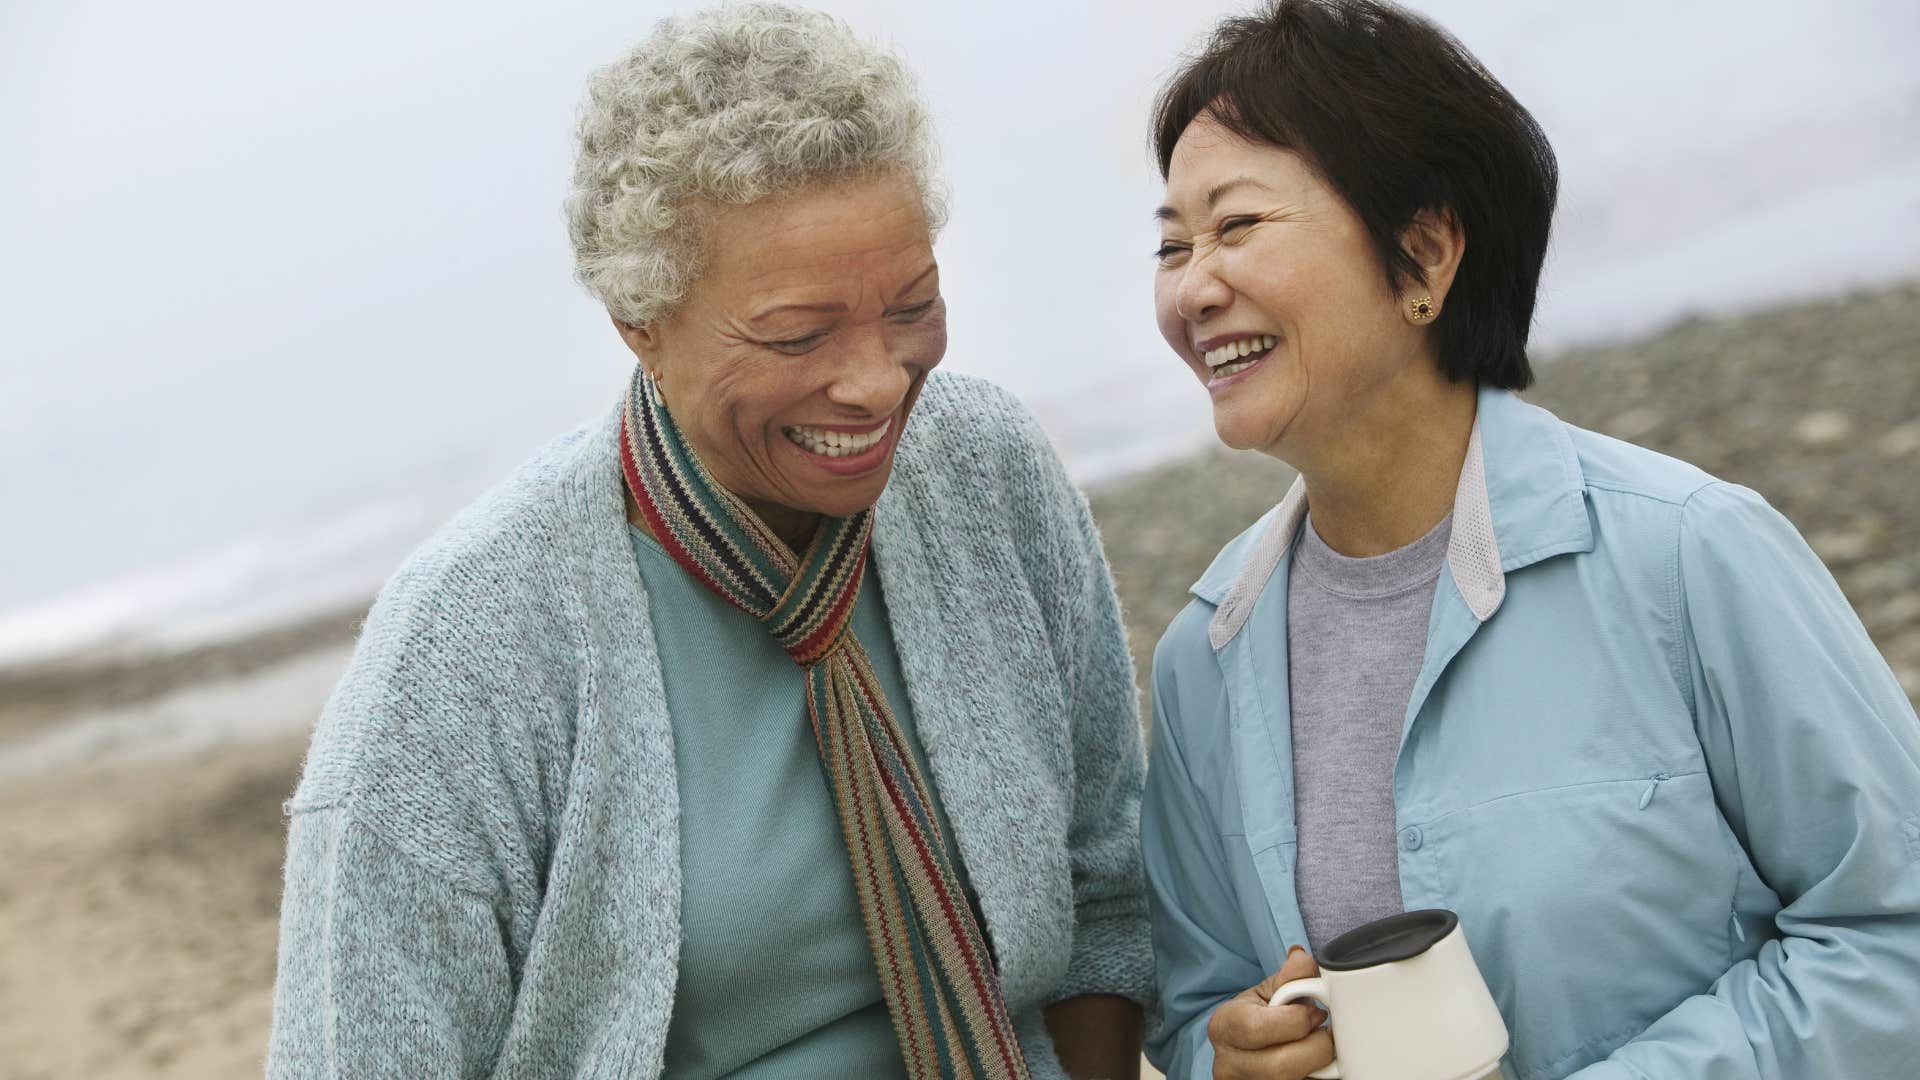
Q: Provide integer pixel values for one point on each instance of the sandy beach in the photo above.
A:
(140, 825)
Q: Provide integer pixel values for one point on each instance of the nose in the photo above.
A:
(871, 379)
(1200, 294)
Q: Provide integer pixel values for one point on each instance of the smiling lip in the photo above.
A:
(848, 429)
(1207, 345)
(853, 464)
(1220, 385)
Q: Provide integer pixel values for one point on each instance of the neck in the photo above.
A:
(794, 527)
(1395, 469)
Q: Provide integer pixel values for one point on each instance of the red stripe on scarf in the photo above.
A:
(810, 650)
(879, 905)
(987, 989)
(655, 522)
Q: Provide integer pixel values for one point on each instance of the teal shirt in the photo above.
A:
(776, 976)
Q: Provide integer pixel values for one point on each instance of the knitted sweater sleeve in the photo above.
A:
(1112, 953)
(386, 968)
(416, 839)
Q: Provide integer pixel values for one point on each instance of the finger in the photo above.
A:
(1311, 1054)
(1299, 965)
(1252, 1025)
(1291, 1023)
(1291, 1061)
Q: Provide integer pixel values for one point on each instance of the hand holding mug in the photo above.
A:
(1252, 1039)
(1406, 1000)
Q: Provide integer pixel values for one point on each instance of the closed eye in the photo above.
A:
(1234, 225)
(916, 312)
(799, 344)
(1169, 254)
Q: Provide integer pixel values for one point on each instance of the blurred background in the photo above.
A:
(283, 285)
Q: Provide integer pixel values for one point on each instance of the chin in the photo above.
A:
(1235, 433)
(849, 497)
(1232, 439)
(1255, 425)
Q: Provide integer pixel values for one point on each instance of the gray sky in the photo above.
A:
(280, 284)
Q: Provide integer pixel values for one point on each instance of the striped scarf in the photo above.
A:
(941, 987)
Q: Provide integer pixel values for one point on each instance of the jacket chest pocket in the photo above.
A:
(1593, 909)
(1261, 877)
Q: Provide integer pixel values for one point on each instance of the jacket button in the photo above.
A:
(1410, 838)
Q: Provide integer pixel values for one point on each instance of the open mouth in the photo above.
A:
(846, 453)
(837, 444)
(1230, 358)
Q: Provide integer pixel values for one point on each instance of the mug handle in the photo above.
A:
(1300, 990)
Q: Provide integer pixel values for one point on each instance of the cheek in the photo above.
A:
(1269, 281)
(927, 344)
(738, 402)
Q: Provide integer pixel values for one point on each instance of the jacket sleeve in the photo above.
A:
(386, 969)
(1814, 753)
(1202, 955)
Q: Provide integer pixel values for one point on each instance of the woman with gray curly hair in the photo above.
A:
(749, 730)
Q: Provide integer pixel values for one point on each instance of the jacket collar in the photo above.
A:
(1521, 498)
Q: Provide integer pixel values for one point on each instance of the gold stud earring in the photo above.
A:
(1422, 309)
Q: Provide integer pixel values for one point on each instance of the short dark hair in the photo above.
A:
(1398, 117)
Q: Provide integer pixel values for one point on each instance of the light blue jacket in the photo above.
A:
(1651, 759)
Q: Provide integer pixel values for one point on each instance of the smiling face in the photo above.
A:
(1270, 289)
(791, 365)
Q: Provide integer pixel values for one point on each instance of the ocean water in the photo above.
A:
(281, 289)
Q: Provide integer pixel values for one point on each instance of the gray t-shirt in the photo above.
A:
(1356, 633)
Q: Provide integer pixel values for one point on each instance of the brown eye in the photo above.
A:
(1169, 255)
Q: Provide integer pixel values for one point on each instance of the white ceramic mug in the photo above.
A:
(1406, 1002)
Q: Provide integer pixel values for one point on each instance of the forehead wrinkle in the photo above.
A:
(821, 283)
(822, 255)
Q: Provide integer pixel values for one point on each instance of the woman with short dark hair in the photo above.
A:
(1610, 710)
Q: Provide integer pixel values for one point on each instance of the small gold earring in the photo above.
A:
(1422, 309)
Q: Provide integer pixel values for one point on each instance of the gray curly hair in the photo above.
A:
(731, 105)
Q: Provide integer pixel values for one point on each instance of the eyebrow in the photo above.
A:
(932, 268)
(778, 308)
(1214, 193)
(835, 307)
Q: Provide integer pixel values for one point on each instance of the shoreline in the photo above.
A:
(1223, 484)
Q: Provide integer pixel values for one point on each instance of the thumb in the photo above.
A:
(1299, 965)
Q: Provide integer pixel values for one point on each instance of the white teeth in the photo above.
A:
(1233, 350)
(836, 444)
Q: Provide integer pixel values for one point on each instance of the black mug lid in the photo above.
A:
(1383, 941)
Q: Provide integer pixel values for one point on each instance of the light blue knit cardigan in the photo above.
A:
(483, 873)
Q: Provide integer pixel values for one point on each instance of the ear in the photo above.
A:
(1436, 243)
(644, 341)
